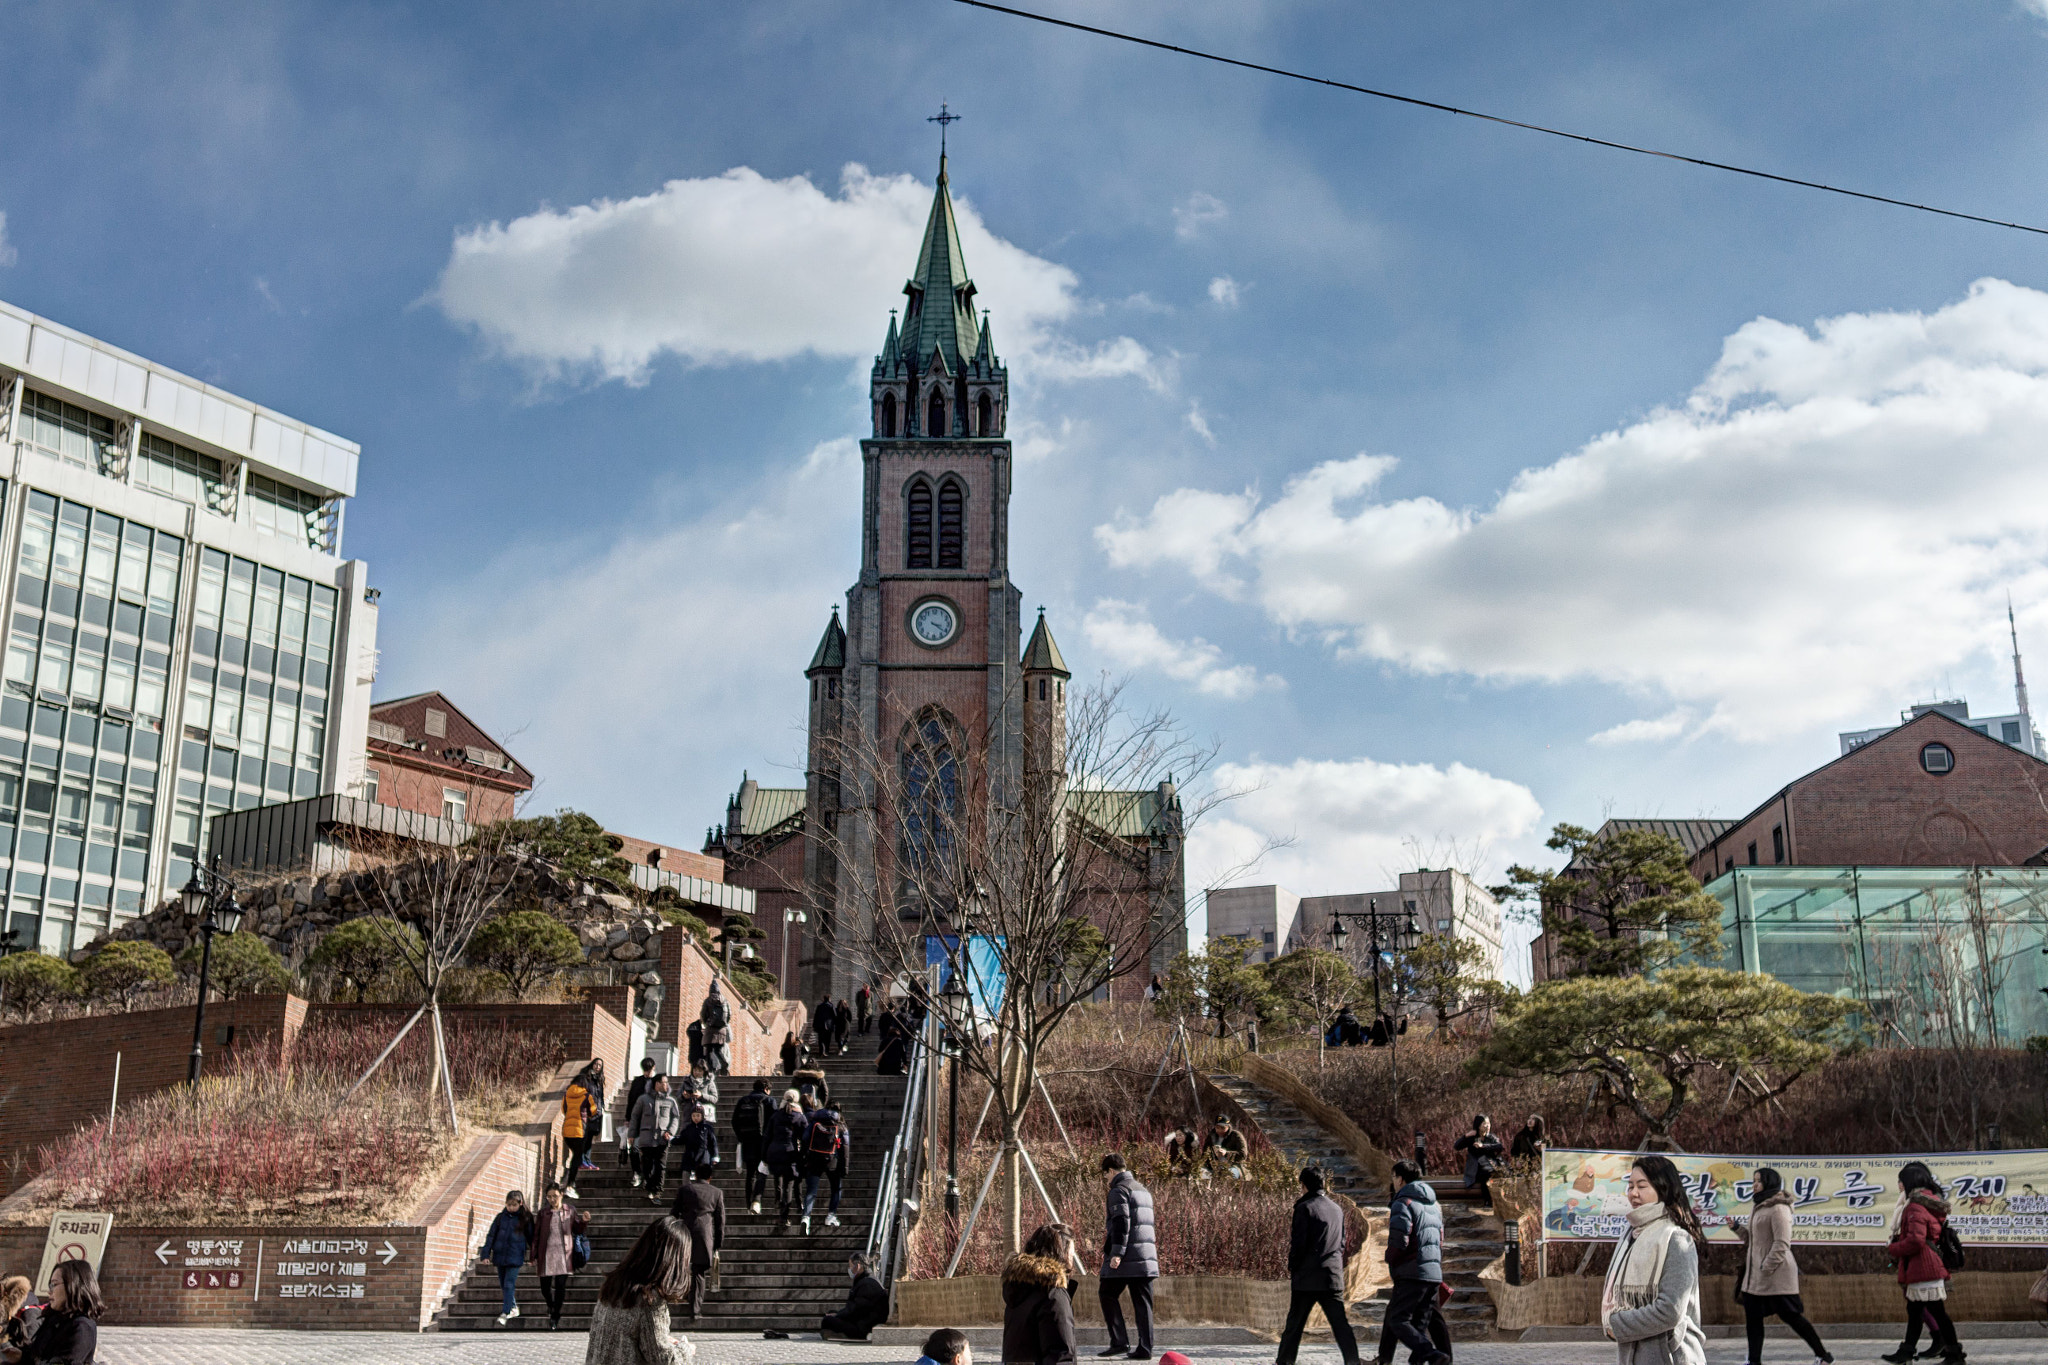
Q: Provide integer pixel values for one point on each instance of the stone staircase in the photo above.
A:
(1472, 1236)
(767, 1279)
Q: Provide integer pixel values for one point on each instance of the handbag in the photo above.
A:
(579, 1252)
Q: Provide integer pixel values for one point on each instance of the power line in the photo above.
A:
(1495, 118)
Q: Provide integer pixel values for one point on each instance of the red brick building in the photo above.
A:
(1932, 793)
(426, 756)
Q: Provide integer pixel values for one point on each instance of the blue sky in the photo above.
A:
(1472, 445)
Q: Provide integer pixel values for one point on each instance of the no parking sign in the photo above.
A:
(74, 1236)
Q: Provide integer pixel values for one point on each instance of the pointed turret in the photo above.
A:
(1042, 654)
(940, 314)
(891, 359)
(831, 653)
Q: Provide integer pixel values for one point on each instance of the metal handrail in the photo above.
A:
(884, 1229)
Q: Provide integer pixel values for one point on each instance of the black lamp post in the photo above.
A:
(211, 898)
(1401, 933)
(957, 1010)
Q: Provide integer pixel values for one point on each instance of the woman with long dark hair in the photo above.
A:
(630, 1326)
(1482, 1152)
(1530, 1140)
(1917, 1223)
(507, 1245)
(1650, 1305)
(70, 1332)
(1770, 1276)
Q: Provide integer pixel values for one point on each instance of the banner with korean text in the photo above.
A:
(1997, 1198)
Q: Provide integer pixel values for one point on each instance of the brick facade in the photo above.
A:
(1877, 806)
(421, 747)
(669, 858)
(688, 971)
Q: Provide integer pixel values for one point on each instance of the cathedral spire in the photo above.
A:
(940, 312)
(831, 653)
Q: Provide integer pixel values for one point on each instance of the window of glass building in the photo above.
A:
(184, 473)
(72, 434)
(278, 509)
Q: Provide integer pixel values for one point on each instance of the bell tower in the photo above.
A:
(931, 657)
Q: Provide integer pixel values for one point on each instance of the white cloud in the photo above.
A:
(1352, 821)
(1195, 212)
(1670, 725)
(8, 255)
(1198, 422)
(1224, 291)
(689, 642)
(1122, 633)
(1828, 522)
(738, 268)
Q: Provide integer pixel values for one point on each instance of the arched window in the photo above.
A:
(888, 414)
(931, 795)
(918, 526)
(935, 416)
(951, 540)
(985, 413)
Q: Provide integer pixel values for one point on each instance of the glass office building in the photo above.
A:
(184, 637)
(1940, 953)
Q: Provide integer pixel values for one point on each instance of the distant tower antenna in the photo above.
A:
(2019, 681)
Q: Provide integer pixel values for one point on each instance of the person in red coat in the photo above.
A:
(1917, 1221)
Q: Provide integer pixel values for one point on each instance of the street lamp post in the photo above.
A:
(790, 915)
(1401, 935)
(209, 897)
(957, 1013)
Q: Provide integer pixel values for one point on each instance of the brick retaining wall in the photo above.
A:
(687, 972)
(1574, 1300)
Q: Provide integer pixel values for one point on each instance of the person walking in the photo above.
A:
(707, 1093)
(861, 1001)
(505, 1246)
(1918, 1220)
(821, 1145)
(1770, 1276)
(786, 1133)
(1483, 1152)
(1530, 1141)
(894, 1043)
(627, 1157)
(1415, 1245)
(865, 1309)
(716, 1017)
(69, 1331)
(700, 1207)
(844, 1013)
(1650, 1304)
(751, 1117)
(1130, 1259)
(555, 1231)
(789, 1054)
(698, 1143)
(1038, 1305)
(655, 1121)
(1315, 1270)
(825, 1021)
(836, 1171)
(579, 1111)
(630, 1325)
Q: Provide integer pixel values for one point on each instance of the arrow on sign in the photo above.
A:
(387, 1253)
(164, 1253)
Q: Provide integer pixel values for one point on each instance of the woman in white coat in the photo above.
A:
(1650, 1305)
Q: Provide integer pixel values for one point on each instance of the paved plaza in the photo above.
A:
(200, 1346)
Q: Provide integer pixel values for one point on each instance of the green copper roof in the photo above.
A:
(763, 808)
(1041, 655)
(940, 315)
(831, 649)
(1120, 814)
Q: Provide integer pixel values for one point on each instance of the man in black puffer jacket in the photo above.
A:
(1315, 1269)
(1415, 1255)
(1130, 1257)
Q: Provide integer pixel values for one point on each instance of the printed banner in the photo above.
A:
(1997, 1198)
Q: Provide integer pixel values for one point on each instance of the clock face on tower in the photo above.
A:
(933, 622)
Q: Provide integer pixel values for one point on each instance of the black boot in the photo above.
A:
(1900, 1356)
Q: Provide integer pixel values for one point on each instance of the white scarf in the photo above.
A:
(1638, 1265)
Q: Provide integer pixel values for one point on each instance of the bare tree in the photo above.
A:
(1057, 878)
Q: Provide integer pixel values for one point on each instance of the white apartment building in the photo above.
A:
(1442, 900)
(184, 637)
(1262, 915)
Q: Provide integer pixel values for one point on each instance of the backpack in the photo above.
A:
(750, 1115)
(1949, 1247)
(824, 1137)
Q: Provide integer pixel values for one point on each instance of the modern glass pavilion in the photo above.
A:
(1941, 954)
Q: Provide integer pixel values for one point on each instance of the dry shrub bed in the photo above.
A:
(1860, 1103)
(259, 1141)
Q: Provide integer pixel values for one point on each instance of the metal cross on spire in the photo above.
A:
(942, 118)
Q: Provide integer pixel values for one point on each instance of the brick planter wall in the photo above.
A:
(688, 971)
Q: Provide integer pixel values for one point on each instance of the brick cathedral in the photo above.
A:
(928, 661)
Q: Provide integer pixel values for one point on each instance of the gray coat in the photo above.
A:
(1127, 1231)
(1415, 1234)
(655, 1119)
(634, 1336)
(1315, 1251)
(1667, 1330)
